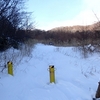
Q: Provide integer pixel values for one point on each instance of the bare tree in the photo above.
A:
(13, 17)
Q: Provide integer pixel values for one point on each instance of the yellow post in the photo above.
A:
(10, 68)
(52, 74)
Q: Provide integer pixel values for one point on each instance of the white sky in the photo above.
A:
(55, 13)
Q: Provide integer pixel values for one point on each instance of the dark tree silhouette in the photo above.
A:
(12, 19)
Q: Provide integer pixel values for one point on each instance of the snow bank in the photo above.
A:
(76, 78)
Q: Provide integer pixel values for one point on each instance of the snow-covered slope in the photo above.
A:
(76, 77)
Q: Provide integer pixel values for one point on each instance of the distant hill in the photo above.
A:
(93, 27)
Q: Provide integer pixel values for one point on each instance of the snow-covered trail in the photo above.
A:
(76, 78)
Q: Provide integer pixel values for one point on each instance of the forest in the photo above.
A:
(16, 29)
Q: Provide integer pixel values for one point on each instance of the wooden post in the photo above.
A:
(98, 91)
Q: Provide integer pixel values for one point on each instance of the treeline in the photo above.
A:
(16, 28)
(68, 37)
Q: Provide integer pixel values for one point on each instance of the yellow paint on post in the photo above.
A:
(10, 68)
(52, 74)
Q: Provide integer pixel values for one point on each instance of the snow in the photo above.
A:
(76, 77)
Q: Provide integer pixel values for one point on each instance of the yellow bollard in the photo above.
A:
(10, 68)
(52, 74)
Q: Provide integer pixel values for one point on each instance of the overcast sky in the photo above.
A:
(55, 13)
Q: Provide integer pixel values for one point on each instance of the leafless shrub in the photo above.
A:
(16, 56)
(27, 47)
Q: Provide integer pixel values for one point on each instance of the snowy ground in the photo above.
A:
(76, 77)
